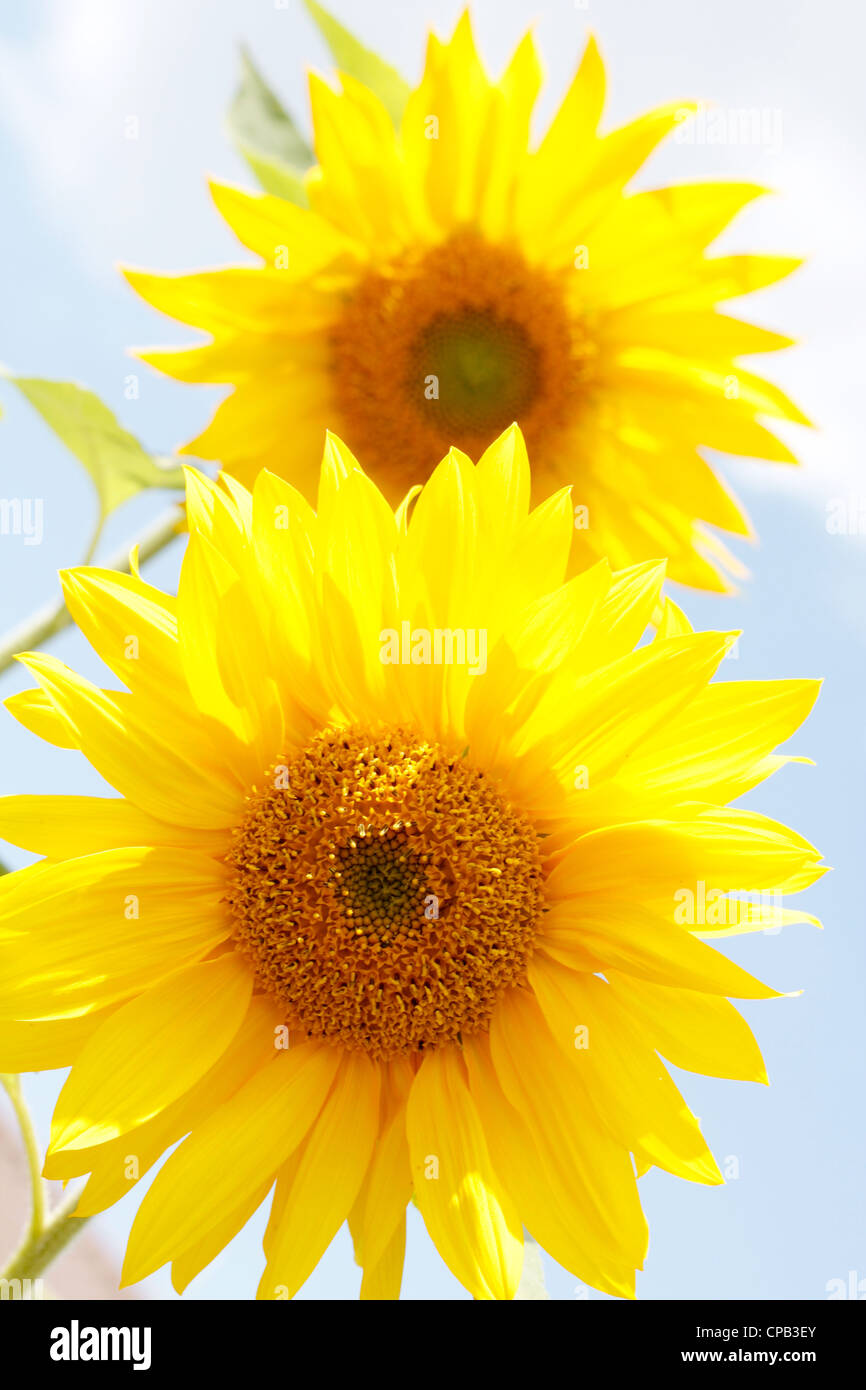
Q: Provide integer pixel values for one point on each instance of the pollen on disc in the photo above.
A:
(384, 891)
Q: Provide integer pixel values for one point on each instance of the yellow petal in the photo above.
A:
(251, 427)
(34, 710)
(116, 1166)
(131, 626)
(525, 663)
(727, 850)
(627, 610)
(67, 827)
(195, 1257)
(596, 723)
(591, 933)
(225, 658)
(698, 1032)
(545, 546)
(129, 752)
(248, 298)
(577, 204)
(382, 1281)
(44, 1046)
(674, 226)
(329, 1175)
(509, 119)
(89, 932)
(269, 225)
(449, 174)
(229, 1157)
(355, 568)
(150, 1051)
(553, 1104)
(674, 622)
(468, 1213)
(503, 488)
(571, 134)
(625, 1083)
(381, 1204)
(550, 1198)
(720, 746)
(358, 187)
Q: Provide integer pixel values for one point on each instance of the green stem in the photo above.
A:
(40, 1248)
(31, 1147)
(54, 616)
(93, 543)
(48, 1232)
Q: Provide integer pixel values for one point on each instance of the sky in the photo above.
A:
(80, 196)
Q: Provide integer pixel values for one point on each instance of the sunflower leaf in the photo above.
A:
(267, 137)
(119, 466)
(277, 178)
(353, 58)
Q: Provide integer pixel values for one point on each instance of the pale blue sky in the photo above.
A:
(78, 196)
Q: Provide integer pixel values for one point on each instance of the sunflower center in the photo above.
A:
(384, 891)
(451, 344)
(486, 370)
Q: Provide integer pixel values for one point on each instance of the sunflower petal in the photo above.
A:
(151, 1051)
(466, 1209)
(229, 1157)
(328, 1177)
(83, 934)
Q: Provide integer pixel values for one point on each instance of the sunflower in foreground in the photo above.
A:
(447, 279)
(391, 902)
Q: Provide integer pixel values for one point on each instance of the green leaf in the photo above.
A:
(119, 466)
(277, 178)
(353, 58)
(267, 137)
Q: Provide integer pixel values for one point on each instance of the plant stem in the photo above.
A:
(53, 617)
(31, 1146)
(47, 1233)
(43, 1246)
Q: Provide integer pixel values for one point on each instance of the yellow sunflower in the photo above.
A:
(447, 279)
(405, 888)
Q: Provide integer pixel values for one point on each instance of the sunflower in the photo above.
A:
(447, 279)
(395, 897)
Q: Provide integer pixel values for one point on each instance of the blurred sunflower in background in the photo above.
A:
(364, 924)
(446, 279)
